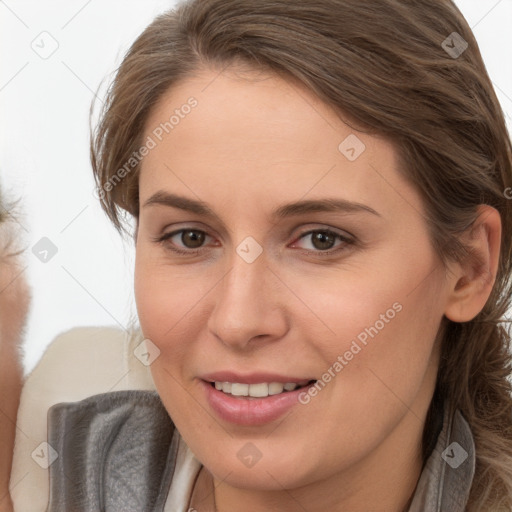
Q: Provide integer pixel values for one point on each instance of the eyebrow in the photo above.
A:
(162, 198)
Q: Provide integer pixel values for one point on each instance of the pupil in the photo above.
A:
(192, 239)
(323, 240)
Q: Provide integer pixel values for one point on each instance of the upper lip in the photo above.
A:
(253, 378)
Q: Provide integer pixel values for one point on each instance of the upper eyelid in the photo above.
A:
(175, 232)
(336, 231)
(321, 227)
(346, 237)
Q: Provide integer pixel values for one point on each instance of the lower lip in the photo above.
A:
(248, 410)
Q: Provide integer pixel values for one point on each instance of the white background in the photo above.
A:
(44, 158)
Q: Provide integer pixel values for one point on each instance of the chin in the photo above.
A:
(259, 478)
(272, 472)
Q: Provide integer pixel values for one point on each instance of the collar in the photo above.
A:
(447, 475)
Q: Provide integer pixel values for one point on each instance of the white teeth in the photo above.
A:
(259, 390)
(238, 389)
(274, 388)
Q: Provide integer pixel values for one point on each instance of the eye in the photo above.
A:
(322, 240)
(185, 240)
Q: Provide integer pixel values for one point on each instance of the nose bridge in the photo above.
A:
(241, 282)
(247, 303)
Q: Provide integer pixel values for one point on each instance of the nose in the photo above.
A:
(248, 306)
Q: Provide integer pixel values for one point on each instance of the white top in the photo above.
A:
(187, 468)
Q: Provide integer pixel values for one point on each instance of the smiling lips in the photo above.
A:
(254, 400)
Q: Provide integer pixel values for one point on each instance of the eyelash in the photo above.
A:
(345, 241)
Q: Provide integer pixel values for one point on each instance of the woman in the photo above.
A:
(323, 266)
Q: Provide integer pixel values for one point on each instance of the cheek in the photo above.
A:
(389, 360)
(392, 299)
(164, 296)
(163, 303)
(172, 311)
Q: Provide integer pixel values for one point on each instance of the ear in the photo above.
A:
(473, 279)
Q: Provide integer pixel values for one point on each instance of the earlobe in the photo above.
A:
(474, 277)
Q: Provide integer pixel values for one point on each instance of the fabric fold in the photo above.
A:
(446, 479)
(116, 451)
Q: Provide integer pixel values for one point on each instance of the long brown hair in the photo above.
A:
(409, 71)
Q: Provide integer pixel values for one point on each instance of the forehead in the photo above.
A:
(263, 137)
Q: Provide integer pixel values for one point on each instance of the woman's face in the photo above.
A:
(278, 245)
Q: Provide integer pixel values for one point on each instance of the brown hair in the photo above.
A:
(383, 63)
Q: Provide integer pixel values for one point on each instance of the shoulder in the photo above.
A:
(78, 364)
(115, 451)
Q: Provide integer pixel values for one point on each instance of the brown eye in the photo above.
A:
(185, 241)
(192, 239)
(323, 240)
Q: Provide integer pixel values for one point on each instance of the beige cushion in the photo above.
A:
(77, 364)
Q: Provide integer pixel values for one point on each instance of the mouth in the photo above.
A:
(259, 402)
